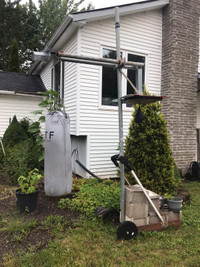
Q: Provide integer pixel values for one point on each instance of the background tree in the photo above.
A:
(14, 65)
(147, 147)
(31, 27)
(9, 29)
(52, 12)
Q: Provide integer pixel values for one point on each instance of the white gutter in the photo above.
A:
(63, 26)
(109, 12)
(20, 94)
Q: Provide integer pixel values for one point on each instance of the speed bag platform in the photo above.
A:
(57, 161)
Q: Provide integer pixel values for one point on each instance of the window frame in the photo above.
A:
(125, 53)
(53, 77)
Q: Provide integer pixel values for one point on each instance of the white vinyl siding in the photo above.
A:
(140, 34)
(21, 106)
(46, 75)
(71, 85)
(199, 46)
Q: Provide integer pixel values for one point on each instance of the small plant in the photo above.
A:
(50, 103)
(168, 197)
(28, 184)
(77, 183)
(93, 194)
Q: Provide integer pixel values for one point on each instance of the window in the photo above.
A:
(132, 74)
(109, 78)
(57, 78)
(109, 81)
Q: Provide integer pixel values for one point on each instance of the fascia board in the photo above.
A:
(64, 31)
(105, 13)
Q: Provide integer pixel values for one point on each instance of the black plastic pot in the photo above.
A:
(27, 202)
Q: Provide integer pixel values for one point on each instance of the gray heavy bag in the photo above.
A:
(57, 162)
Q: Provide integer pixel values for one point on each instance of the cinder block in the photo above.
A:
(134, 194)
(153, 218)
(172, 216)
(155, 199)
(139, 221)
(138, 210)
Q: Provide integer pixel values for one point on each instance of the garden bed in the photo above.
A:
(37, 235)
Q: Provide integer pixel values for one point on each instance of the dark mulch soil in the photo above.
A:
(38, 237)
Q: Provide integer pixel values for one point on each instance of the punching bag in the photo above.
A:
(57, 161)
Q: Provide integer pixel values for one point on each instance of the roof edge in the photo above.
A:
(123, 10)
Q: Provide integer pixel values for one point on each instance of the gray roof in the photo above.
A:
(21, 83)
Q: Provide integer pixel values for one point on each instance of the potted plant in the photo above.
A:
(27, 194)
(174, 203)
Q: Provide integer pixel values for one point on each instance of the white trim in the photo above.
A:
(109, 12)
(87, 154)
(20, 94)
(78, 66)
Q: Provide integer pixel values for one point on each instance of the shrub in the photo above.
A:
(20, 159)
(14, 134)
(148, 149)
(93, 194)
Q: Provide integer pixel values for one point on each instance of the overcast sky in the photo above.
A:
(99, 3)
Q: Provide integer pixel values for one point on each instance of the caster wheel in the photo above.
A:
(111, 215)
(127, 231)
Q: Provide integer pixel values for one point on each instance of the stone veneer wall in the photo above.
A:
(179, 77)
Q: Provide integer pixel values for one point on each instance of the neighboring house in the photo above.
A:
(164, 34)
(18, 96)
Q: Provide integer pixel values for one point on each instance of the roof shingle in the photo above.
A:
(21, 83)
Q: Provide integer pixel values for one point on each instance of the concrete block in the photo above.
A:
(139, 221)
(155, 201)
(172, 216)
(138, 210)
(134, 194)
(153, 218)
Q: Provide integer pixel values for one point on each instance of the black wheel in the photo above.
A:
(127, 230)
(111, 215)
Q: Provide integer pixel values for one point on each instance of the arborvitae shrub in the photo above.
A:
(147, 147)
(14, 134)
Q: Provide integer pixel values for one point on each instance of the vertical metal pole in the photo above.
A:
(62, 81)
(119, 85)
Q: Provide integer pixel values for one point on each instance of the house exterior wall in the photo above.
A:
(21, 106)
(199, 45)
(141, 34)
(71, 85)
(46, 75)
(179, 77)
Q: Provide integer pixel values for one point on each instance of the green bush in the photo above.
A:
(14, 134)
(93, 194)
(147, 147)
(20, 159)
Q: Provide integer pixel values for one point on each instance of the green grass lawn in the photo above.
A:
(90, 242)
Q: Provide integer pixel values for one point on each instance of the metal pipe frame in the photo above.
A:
(120, 116)
(113, 62)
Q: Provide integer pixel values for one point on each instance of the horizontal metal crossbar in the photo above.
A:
(113, 63)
